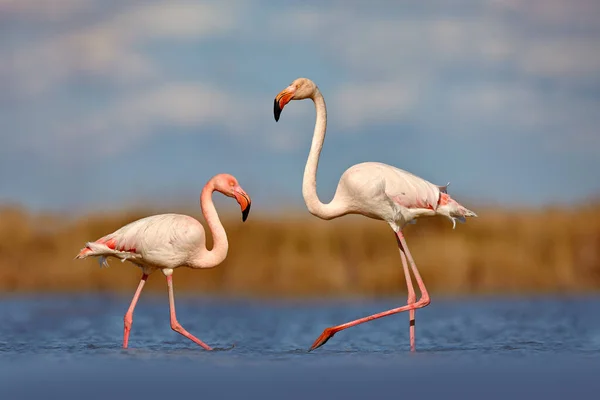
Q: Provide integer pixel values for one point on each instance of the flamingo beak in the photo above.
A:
(281, 100)
(244, 201)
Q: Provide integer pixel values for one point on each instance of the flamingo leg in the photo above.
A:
(423, 302)
(412, 298)
(176, 326)
(128, 320)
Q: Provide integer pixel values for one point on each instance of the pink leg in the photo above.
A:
(423, 301)
(174, 324)
(129, 315)
(412, 298)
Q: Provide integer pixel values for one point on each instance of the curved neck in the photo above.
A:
(309, 181)
(211, 258)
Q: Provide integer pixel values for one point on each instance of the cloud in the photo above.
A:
(176, 107)
(373, 102)
(110, 48)
(126, 123)
(564, 58)
(40, 10)
(389, 44)
(518, 111)
(479, 67)
(515, 102)
(475, 63)
(88, 81)
(583, 13)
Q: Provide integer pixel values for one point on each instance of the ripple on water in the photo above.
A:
(258, 340)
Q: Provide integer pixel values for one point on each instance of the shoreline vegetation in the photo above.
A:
(512, 251)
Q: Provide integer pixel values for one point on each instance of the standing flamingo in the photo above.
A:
(169, 241)
(375, 190)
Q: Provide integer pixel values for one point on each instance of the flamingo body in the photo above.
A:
(384, 192)
(165, 241)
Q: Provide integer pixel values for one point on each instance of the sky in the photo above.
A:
(111, 103)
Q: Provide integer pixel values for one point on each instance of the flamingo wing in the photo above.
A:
(158, 240)
(411, 191)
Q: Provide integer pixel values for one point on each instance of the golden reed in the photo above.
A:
(511, 251)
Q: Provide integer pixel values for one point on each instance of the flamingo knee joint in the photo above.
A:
(424, 301)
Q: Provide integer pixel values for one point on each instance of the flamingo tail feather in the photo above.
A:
(102, 251)
(454, 210)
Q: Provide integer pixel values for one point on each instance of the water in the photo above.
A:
(70, 346)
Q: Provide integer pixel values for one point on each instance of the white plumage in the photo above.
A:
(155, 242)
(168, 241)
(375, 190)
(394, 195)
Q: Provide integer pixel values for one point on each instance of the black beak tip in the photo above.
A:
(276, 110)
(245, 213)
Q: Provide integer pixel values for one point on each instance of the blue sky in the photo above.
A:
(112, 103)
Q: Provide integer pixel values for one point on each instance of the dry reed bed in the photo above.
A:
(500, 252)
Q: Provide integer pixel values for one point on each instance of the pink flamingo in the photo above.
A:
(169, 241)
(375, 190)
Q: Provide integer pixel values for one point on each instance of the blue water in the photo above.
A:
(70, 346)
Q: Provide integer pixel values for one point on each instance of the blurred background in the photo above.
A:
(114, 110)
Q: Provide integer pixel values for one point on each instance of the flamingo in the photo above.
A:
(168, 241)
(375, 190)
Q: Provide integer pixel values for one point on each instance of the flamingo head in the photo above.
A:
(229, 186)
(300, 89)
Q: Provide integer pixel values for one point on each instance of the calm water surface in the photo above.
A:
(473, 348)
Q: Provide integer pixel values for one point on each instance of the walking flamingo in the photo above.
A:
(377, 191)
(169, 241)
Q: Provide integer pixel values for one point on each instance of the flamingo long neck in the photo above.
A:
(210, 258)
(309, 182)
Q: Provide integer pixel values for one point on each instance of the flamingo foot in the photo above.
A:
(223, 348)
(321, 340)
(126, 337)
(176, 326)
